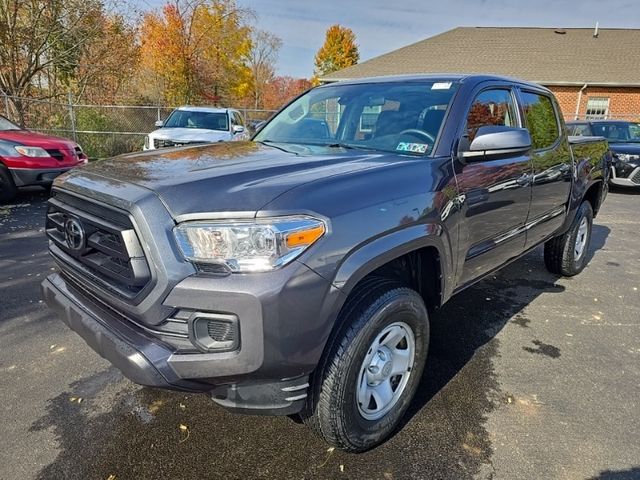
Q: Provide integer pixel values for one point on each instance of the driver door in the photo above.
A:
(496, 190)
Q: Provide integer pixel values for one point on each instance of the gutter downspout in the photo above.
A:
(579, 101)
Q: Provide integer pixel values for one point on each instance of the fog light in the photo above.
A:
(214, 332)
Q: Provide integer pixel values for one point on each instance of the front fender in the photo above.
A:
(366, 258)
(374, 254)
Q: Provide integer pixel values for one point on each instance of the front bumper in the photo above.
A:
(265, 376)
(625, 174)
(23, 177)
(138, 356)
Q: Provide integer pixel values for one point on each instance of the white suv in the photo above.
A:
(193, 125)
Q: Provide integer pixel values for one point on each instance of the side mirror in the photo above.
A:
(496, 140)
(159, 123)
(237, 129)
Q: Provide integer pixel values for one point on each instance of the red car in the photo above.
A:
(30, 158)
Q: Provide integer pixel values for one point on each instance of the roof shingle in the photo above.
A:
(540, 55)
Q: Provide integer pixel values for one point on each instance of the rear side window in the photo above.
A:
(541, 120)
(491, 107)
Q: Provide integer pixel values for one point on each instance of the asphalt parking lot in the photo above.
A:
(530, 376)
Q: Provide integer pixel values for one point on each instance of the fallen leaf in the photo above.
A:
(155, 406)
(112, 477)
(329, 453)
(183, 406)
(184, 428)
(342, 468)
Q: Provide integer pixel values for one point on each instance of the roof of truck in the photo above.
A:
(439, 77)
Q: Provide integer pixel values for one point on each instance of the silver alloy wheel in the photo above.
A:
(581, 238)
(385, 371)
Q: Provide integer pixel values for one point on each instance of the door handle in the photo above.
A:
(524, 179)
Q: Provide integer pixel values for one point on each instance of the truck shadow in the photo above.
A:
(143, 433)
(459, 387)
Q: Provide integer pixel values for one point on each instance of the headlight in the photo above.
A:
(626, 157)
(31, 151)
(248, 246)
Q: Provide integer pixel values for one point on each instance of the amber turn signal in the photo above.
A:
(303, 238)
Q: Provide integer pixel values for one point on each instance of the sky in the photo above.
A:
(384, 25)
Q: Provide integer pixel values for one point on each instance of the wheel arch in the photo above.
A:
(419, 256)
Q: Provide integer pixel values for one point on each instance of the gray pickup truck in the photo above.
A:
(294, 274)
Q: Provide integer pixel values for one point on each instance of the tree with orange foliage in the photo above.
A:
(196, 49)
(283, 89)
(338, 51)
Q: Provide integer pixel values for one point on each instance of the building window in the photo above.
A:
(597, 107)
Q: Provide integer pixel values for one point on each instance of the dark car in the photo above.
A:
(296, 273)
(29, 158)
(624, 141)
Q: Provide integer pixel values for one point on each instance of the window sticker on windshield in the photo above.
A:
(441, 86)
(412, 147)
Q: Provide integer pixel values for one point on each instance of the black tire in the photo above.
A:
(8, 189)
(332, 409)
(560, 252)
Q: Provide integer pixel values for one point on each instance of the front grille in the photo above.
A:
(57, 154)
(161, 143)
(97, 244)
(635, 177)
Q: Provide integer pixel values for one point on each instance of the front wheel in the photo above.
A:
(372, 367)
(8, 189)
(567, 254)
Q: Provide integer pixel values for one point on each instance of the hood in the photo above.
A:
(34, 139)
(186, 135)
(630, 148)
(223, 177)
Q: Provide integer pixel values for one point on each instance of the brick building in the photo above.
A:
(594, 73)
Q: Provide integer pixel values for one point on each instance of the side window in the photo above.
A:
(238, 119)
(491, 107)
(580, 130)
(541, 120)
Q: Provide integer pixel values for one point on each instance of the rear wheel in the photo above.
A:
(8, 189)
(567, 254)
(372, 367)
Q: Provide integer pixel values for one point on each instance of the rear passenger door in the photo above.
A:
(552, 165)
(496, 190)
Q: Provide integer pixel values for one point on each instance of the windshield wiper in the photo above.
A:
(348, 146)
(271, 143)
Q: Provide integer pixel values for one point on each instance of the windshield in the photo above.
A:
(618, 132)
(193, 119)
(403, 117)
(7, 125)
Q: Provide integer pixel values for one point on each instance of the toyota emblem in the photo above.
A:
(74, 234)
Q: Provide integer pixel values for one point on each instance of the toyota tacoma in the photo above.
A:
(295, 274)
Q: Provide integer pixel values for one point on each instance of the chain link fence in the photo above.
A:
(108, 130)
(102, 130)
